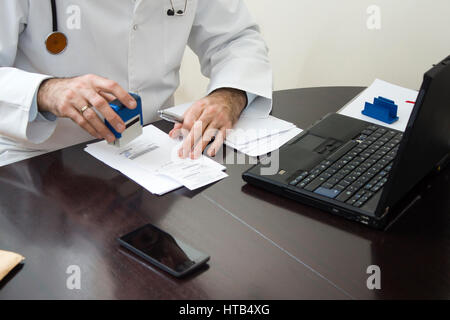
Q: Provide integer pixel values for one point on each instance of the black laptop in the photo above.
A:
(361, 171)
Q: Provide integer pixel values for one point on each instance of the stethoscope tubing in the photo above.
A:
(55, 33)
(55, 37)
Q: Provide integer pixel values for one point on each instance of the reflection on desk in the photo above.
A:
(66, 208)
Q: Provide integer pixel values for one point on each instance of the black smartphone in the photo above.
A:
(164, 251)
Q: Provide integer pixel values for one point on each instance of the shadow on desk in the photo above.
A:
(11, 275)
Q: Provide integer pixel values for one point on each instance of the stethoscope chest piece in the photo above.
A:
(56, 42)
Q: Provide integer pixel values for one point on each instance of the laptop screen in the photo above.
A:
(426, 142)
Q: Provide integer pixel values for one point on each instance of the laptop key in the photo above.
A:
(342, 150)
(367, 132)
(357, 197)
(369, 186)
(358, 204)
(326, 175)
(298, 179)
(315, 184)
(331, 171)
(344, 196)
(376, 188)
(302, 184)
(344, 183)
(333, 181)
(327, 185)
(294, 182)
(364, 199)
(358, 184)
(368, 194)
(329, 193)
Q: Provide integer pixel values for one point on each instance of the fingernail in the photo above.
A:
(110, 138)
(120, 127)
(133, 103)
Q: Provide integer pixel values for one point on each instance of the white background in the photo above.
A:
(327, 43)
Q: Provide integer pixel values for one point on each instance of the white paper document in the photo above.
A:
(267, 144)
(402, 97)
(193, 174)
(253, 135)
(249, 130)
(146, 159)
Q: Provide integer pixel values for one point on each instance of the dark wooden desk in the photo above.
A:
(66, 208)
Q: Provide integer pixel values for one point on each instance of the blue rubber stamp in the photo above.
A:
(382, 109)
(131, 117)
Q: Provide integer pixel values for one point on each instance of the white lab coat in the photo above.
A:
(133, 42)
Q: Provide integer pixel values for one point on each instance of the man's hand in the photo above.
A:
(209, 117)
(66, 97)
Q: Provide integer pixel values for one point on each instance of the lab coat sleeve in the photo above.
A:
(18, 87)
(232, 52)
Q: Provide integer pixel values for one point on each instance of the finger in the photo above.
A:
(108, 97)
(199, 134)
(102, 106)
(194, 135)
(176, 131)
(192, 115)
(91, 116)
(218, 143)
(208, 135)
(76, 117)
(71, 109)
(115, 89)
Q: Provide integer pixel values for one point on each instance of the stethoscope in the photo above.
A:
(56, 42)
(172, 12)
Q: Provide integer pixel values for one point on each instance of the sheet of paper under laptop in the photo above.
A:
(147, 161)
(404, 98)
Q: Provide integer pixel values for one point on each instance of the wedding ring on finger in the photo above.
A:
(84, 109)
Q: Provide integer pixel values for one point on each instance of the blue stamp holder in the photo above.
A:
(382, 109)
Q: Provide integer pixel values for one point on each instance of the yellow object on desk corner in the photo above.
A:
(8, 261)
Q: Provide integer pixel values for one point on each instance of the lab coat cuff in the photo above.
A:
(33, 109)
(40, 129)
(18, 90)
(41, 124)
(255, 78)
(258, 107)
(250, 98)
(42, 115)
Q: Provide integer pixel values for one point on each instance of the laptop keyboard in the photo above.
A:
(355, 172)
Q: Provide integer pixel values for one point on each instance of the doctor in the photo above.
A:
(61, 61)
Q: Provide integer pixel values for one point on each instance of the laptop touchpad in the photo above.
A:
(310, 142)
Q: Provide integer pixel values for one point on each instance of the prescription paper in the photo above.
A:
(193, 174)
(146, 159)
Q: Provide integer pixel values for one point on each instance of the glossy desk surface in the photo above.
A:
(67, 208)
